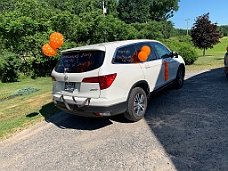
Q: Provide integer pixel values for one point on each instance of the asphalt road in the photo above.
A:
(183, 130)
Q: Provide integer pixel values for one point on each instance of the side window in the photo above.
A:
(162, 51)
(152, 55)
(126, 54)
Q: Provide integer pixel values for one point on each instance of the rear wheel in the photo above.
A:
(137, 104)
(179, 82)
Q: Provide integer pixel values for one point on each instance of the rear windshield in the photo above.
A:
(82, 61)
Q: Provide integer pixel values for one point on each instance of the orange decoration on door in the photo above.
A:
(166, 76)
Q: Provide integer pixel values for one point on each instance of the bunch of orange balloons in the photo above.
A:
(144, 53)
(56, 40)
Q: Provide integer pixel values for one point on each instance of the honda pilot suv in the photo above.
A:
(114, 78)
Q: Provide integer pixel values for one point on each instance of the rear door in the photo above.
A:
(73, 68)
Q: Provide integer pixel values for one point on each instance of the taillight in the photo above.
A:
(104, 81)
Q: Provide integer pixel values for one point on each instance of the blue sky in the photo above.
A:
(191, 9)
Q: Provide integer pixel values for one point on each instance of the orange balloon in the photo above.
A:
(142, 56)
(146, 49)
(48, 50)
(56, 40)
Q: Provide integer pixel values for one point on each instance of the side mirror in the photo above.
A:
(175, 54)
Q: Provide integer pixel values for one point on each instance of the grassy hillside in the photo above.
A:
(213, 57)
(220, 48)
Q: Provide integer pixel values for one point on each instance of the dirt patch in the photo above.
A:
(8, 98)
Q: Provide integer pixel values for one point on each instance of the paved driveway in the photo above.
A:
(183, 130)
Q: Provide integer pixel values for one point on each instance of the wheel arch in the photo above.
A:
(183, 67)
(142, 84)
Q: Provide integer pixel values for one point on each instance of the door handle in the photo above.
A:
(147, 66)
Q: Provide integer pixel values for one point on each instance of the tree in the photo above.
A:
(150, 30)
(23, 28)
(224, 30)
(79, 7)
(70, 26)
(111, 6)
(6, 5)
(116, 29)
(162, 10)
(132, 11)
(204, 33)
(23, 32)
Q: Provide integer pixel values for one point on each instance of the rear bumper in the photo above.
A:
(93, 111)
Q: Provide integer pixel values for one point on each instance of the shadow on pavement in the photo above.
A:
(192, 123)
(64, 120)
(68, 121)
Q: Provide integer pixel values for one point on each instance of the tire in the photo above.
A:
(137, 105)
(179, 81)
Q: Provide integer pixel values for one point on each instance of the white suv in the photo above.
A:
(108, 78)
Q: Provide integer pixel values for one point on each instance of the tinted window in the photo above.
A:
(162, 51)
(76, 62)
(126, 54)
(152, 55)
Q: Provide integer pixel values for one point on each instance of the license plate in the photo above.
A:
(69, 86)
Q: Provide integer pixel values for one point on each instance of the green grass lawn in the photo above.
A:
(220, 48)
(21, 112)
(207, 62)
(213, 57)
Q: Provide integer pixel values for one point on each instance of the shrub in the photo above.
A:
(43, 66)
(9, 67)
(189, 54)
(184, 49)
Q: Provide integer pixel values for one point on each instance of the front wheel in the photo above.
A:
(179, 82)
(137, 104)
